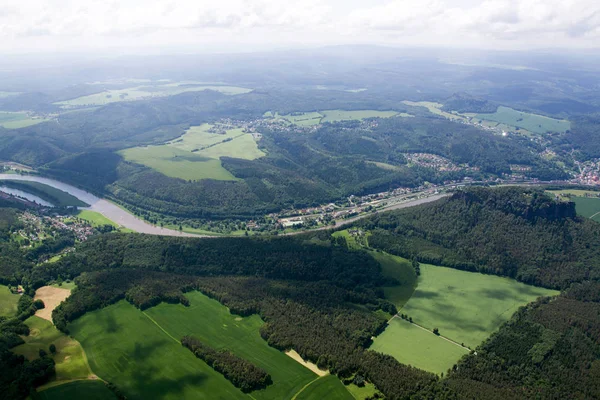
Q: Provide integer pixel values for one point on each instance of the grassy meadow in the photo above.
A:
(317, 117)
(15, 120)
(531, 122)
(196, 154)
(412, 345)
(361, 393)
(435, 108)
(140, 351)
(95, 218)
(588, 207)
(77, 390)
(587, 202)
(326, 387)
(70, 359)
(465, 306)
(401, 269)
(145, 92)
(342, 115)
(8, 302)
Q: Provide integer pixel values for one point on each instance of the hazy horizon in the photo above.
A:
(233, 26)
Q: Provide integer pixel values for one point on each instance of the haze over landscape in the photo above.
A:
(319, 200)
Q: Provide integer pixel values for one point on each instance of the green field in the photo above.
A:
(361, 393)
(65, 285)
(15, 120)
(70, 359)
(401, 269)
(314, 118)
(48, 193)
(588, 207)
(303, 119)
(587, 202)
(353, 241)
(195, 155)
(531, 122)
(140, 351)
(145, 92)
(466, 307)
(342, 115)
(326, 387)
(435, 108)
(414, 346)
(95, 218)
(77, 390)
(8, 302)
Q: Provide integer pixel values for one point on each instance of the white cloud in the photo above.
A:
(68, 24)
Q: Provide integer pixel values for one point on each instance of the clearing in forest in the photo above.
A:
(465, 307)
(70, 359)
(317, 117)
(8, 302)
(531, 122)
(196, 154)
(15, 120)
(52, 297)
(147, 92)
(140, 351)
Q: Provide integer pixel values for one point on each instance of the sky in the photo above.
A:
(151, 26)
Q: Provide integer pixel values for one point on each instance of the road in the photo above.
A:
(128, 220)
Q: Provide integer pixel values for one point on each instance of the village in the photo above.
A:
(37, 227)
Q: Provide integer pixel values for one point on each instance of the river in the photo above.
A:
(128, 220)
(25, 195)
(102, 206)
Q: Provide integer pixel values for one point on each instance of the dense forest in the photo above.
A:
(550, 349)
(299, 170)
(242, 373)
(305, 168)
(17, 375)
(512, 231)
(319, 298)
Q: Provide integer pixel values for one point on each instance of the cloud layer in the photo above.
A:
(248, 24)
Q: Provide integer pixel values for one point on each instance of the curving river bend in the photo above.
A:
(128, 220)
(102, 206)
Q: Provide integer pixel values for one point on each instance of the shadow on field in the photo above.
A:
(497, 294)
(141, 352)
(108, 322)
(425, 294)
(147, 383)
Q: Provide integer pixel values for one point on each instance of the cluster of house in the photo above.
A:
(589, 172)
(38, 228)
(436, 162)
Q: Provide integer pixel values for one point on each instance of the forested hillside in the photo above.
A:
(326, 302)
(302, 167)
(513, 231)
(549, 350)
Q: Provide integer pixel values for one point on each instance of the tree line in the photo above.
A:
(242, 373)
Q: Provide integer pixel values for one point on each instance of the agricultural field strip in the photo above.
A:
(179, 342)
(306, 386)
(161, 328)
(428, 331)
